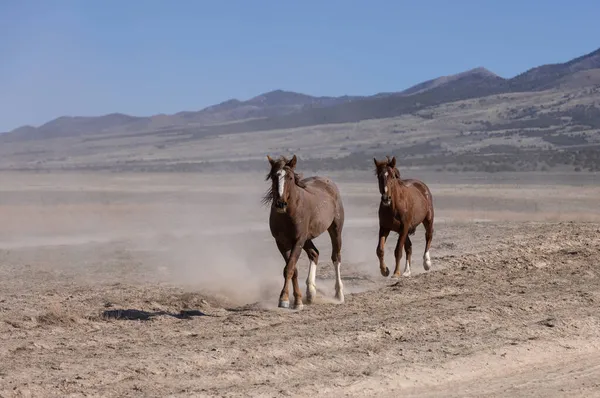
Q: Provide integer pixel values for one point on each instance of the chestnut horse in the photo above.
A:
(404, 205)
(301, 210)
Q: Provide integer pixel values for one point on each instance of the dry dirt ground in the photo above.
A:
(167, 285)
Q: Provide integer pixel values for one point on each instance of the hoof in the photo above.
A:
(299, 306)
(310, 296)
(339, 298)
(385, 273)
(427, 265)
(406, 274)
(284, 304)
(396, 275)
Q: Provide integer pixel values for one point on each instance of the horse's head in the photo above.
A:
(282, 178)
(386, 172)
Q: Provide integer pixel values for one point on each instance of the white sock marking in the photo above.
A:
(339, 286)
(311, 286)
(281, 184)
(407, 268)
(426, 261)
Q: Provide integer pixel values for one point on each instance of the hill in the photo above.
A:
(272, 104)
(547, 76)
(473, 121)
(284, 109)
(480, 72)
(475, 83)
(268, 105)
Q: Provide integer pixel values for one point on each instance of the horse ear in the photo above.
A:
(376, 162)
(392, 162)
(292, 163)
(270, 160)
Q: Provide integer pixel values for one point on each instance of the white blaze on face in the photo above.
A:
(386, 188)
(281, 183)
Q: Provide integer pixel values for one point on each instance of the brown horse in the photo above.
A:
(404, 205)
(301, 210)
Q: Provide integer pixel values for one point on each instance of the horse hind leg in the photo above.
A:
(313, 256)
(428, 223)
(297, 297)
(335, 232)
(408, 251)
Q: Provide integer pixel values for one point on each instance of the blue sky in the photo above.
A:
(144, 57)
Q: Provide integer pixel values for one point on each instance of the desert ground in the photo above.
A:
(139, 284)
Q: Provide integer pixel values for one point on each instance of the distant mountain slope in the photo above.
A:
(68, 125)
(546, 75)
(272, 104)
(285, 109)
(268, 105)
(583, 78)
(434, 83)
(469, 86)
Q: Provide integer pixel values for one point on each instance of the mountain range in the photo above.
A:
(284, 109)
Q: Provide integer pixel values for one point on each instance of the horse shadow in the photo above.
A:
(140, 315)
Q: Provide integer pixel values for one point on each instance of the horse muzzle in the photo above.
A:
(280, 206)
(386, 200)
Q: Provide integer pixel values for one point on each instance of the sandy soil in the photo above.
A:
(167, 285)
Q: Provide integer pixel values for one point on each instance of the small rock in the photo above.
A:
(549, 322)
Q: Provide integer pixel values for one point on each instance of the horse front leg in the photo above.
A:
(290, 273)
(383, 234)
(398, 254)
(313, 256)
(408, 252)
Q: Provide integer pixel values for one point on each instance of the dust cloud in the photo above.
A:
(221, 245)
(204, 233)
(209, 233)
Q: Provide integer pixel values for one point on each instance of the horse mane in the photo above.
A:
(267, 198)
(395, 171)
